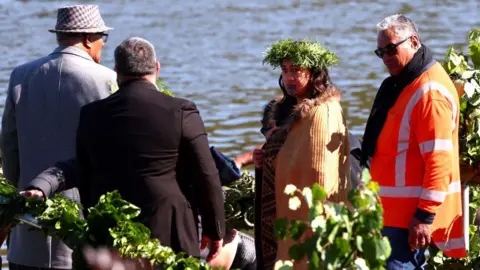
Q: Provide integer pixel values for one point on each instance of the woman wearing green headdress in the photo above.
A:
(310, 145)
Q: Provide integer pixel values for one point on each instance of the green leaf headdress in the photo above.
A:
(303, 53)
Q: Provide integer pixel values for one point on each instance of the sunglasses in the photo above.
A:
(104, 37)
(390, 49)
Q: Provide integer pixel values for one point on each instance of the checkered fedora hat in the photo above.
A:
(80, 19)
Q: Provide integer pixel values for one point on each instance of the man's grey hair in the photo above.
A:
(135, 56)
(403, 26)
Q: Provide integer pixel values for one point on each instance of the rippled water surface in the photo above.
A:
(211, 50)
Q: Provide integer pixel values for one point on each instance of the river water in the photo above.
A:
(211, 50)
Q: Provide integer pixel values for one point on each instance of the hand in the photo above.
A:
(419, 235)
(271, 131)
(214, 247)
(224, 260)
(244, 159)
(258, 158)
(32, 193)
(104, 259)
(238, 163)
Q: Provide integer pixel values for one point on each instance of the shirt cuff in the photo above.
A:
(424, 216)
(41, 184)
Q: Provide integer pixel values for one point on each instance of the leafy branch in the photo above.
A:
(464, 70)
(239, 203)
(342, 237)
(466, 78)
(163, 87)
(438, 261)
(110, 223)
(16, 204)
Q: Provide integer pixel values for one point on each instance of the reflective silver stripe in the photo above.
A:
(403, 146)
(419, 192)
(436, 145)
(451, 244)
(400, 165)
(439, 196)
(404, 131)
(400, 192)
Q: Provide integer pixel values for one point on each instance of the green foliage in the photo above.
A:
(342, 238)
(16, 204)
(239, 203)
(467, 78)
(112, 216)
(303, 53)
(62, 219)
(438, 261)
(163, 87)
(108, 224)
(110, 210)
(474, 47)
(113, 86)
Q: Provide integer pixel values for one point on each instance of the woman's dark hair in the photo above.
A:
(319, 83)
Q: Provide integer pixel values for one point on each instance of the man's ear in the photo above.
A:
(86, 41)
(415, 42)
(157, 68)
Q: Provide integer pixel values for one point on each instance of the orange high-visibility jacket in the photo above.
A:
(416, 161)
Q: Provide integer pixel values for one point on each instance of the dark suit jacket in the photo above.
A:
(138, 141)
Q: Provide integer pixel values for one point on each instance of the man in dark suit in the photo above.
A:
(130, 141)
(141, 142)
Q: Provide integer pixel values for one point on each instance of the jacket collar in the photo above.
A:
(136, 82)
(72, 50)
(303, 109)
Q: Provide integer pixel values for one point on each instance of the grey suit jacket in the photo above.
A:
(38, 129)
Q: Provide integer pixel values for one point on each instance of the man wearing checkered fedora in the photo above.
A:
(41, 115)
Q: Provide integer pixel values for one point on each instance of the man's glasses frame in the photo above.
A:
(104, 36)
(390, 49)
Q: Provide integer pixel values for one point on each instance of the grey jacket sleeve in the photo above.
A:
(9, 138)
(63, 175)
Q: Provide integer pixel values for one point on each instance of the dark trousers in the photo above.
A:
(12, 266)
(402, 258)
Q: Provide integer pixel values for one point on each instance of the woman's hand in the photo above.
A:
(258, 158)
(258, 154)
(246, 158)
(271, 132)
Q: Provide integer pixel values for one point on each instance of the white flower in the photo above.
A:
(318, 222)
(294, 203)
(307, 195)
(290, 189)
(283, 265)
